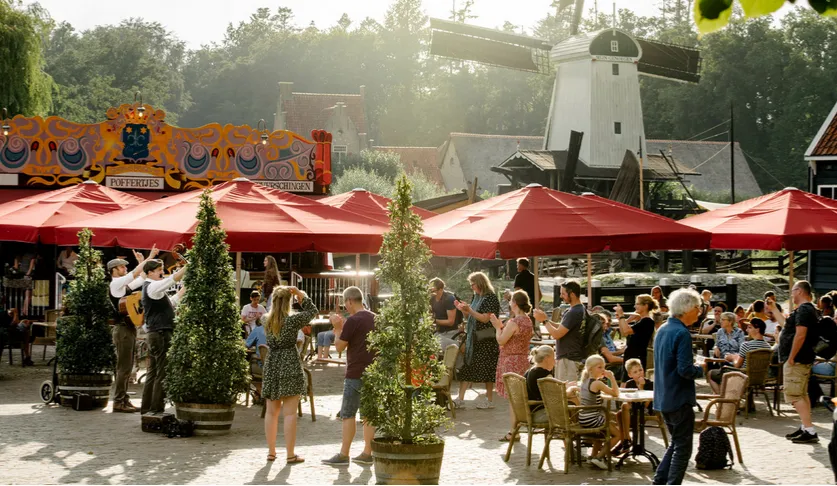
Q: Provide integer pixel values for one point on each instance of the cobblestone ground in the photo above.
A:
(40, 444)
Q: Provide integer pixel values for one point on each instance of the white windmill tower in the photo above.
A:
(596, 88)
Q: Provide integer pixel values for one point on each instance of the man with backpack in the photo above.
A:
(796, 350)
(569, 335)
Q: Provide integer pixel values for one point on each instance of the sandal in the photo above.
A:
(295, 459)
(271, 457)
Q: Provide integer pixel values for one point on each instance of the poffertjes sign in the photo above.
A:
(135, 149)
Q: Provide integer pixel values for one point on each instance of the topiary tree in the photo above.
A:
(207, 362)
(404, 408)
(84, 344)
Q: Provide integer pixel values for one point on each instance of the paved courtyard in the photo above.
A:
(40, 444)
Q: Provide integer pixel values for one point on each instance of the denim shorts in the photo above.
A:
(351, 397)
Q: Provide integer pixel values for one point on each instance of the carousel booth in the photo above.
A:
(135, 181)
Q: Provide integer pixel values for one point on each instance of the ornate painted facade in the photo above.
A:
(135, 149)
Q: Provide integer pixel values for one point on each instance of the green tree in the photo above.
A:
(207, 360)
(84, 344)
(26, 89)
(712, 15)
(404, 408)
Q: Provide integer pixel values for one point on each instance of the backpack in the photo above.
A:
(825, 338)
(714, 449)
(591, 333)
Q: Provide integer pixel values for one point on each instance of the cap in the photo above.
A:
(116, 262)
(151, 265)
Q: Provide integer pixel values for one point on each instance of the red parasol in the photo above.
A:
(38, 215)
(540, 221)
(789, 219)
(256, 219)
(365, 203)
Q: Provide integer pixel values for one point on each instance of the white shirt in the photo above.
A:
(157, 289)
(770, 328)
(68, 263)
(300, 338)
(119, 284)
(251, 315)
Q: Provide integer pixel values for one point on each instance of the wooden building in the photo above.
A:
(822, 179)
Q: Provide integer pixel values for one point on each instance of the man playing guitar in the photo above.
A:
(123, 284)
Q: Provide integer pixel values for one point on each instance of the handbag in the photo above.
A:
(484, 334)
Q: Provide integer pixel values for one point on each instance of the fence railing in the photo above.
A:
(625, 295)
(326, 289)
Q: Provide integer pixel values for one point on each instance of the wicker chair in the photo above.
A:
(442, 387)
(832, 377)
(775, 383)
(758, 364)
(521, 406)
(725, 406)
(563, 423)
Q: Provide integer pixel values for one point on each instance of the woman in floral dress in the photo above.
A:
(284, 380)
(481, 351)
(513, 338)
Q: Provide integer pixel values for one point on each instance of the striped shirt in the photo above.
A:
(748, 346)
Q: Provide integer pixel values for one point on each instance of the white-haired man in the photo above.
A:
(674, 383)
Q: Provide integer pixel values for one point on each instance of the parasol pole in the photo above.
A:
(357, 269)
(589, 280)
(537, 296)
(238, 277)
(790, 279)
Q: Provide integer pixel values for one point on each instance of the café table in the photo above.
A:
(638, 400)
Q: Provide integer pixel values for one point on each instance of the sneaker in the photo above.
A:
(459, 403)
(365, 459)
(806, 438)
(337, 460)
(796, 433)
(598, 462)
(484, 404)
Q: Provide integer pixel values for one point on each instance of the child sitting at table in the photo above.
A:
(638, 381)
(592, 387)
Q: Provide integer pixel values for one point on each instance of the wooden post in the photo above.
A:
(589, 280)
(537, 296)
(238, 277)
(357, 269)
(473, 195)
(790, 279)
(641, 176)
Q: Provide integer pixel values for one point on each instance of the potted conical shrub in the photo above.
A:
(207, 362)
(408, 449)
(84, 346)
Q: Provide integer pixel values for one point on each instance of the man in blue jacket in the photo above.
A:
(674, 383)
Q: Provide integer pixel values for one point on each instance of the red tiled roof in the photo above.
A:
(423, 159)
(309, 111)
(828, 142)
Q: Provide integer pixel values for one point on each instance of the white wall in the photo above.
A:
(571, 110)
(452, 174)
(615, 98)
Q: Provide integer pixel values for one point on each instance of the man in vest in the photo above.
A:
(158, 308)
(122, 284)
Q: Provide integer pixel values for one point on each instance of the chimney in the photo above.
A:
(362, 92)
(285, 94)
(362, 139)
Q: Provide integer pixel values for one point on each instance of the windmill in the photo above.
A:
(596, 89)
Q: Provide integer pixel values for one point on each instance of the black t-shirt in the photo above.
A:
(638, 341)
(532, 376)
(442, 306)
(805, 316)
(525, 280)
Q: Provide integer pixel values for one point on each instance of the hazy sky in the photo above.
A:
(201, 22)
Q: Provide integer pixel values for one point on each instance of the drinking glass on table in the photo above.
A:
(700, 358)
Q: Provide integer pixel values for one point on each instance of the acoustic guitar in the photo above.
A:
(131, 306)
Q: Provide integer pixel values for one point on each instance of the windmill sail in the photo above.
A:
(489, 46)
(668, 61)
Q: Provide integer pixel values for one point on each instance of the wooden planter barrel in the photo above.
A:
(397, 463)
(208, 419)
(97, 385)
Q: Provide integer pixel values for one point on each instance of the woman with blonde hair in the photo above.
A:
(284, 380)
(592, 387)
(638, 333)
(513, 338)
(481, 349)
